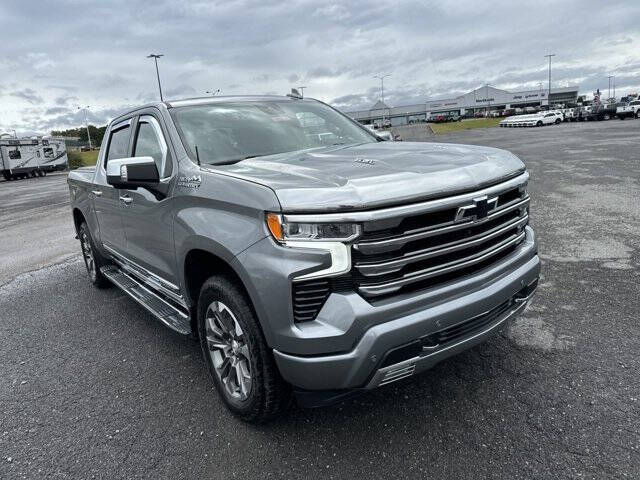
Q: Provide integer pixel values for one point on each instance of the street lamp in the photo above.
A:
(155, 58)
(549, 94)
(213, 92)
(381, 78)
(86, 123)
(540, 85)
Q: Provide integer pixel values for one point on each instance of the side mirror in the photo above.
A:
(130, 173)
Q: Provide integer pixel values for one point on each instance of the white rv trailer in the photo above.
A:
(24, 157)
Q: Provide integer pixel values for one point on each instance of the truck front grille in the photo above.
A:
(413, 252)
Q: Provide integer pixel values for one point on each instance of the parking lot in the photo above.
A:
(93, 387)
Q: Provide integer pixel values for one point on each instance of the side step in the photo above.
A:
(171, 315)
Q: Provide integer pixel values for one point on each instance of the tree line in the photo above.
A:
(96, 133)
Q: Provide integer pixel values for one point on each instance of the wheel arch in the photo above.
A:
(78, 218)
(200, 263)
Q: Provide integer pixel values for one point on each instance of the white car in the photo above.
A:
(534, 120)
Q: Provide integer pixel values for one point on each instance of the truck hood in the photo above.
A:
(364, 176)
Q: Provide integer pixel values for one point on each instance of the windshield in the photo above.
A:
(229, 132)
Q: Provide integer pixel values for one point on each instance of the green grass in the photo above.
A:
(472, 123)
(82, 159)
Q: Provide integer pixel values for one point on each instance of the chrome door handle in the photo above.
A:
(97, 193)
(126, 200)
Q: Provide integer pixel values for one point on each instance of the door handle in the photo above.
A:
(126, 200)
(97, 193)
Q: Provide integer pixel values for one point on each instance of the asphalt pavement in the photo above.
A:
(91, 386)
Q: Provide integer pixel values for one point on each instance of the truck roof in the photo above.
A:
(210, 100)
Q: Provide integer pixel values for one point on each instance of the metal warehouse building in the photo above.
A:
(479, 100)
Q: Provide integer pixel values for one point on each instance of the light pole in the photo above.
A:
(213, 92)
(609, 77)
(614, 86)
(381, 78)
(155, 57)
(302, 91)
(549, 93)
(487, 98)
(86, 123)
(540, 84)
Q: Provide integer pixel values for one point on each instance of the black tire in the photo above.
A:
(638, 114)
(558, 121)
(269, 394)
(606, 116)
(89, 249)
(621, 117)
(539, 124)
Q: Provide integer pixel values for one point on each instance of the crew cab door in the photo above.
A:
(147, 215)
(106, 199)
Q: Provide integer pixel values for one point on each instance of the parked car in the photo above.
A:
(532, 120)
(261, 226)
(632, 109)
(601, 112)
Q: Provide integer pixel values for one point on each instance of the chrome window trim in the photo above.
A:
(411, 209)
(151, 120)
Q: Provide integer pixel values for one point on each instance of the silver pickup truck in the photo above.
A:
(309, 257)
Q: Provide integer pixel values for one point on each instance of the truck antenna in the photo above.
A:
(198, 156)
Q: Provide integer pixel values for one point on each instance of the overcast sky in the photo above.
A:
(59, 55)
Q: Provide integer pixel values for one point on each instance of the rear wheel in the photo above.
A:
(606, 116)
(638, 114)
(237, 356)
(92, 258)
(558, 121)
(539, 124)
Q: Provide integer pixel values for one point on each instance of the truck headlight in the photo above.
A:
(284, 231)
(331, 237)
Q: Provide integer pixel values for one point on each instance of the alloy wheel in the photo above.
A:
(228, 350)
(87, 253)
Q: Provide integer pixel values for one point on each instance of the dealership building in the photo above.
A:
(482, 99)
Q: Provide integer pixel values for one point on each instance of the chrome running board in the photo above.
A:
(172, 315)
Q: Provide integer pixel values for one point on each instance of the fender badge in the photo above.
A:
(190, 182)
(368, 161)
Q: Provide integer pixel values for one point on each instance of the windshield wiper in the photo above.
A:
(236, 160)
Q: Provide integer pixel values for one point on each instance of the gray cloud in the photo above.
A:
(27, 94)
(432, 50)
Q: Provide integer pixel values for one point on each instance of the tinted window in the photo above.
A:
(14, 154)
(119, 144)
(227, 132)
(148, 145)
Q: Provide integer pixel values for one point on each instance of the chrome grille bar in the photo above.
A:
(390, 244)
(395, 285)
(385, 267)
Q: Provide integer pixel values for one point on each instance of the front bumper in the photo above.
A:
(362, 366)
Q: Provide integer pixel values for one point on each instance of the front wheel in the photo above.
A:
(238, 358)
(558, 121)
(638, 114)
(539, 124)
(92, 258)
